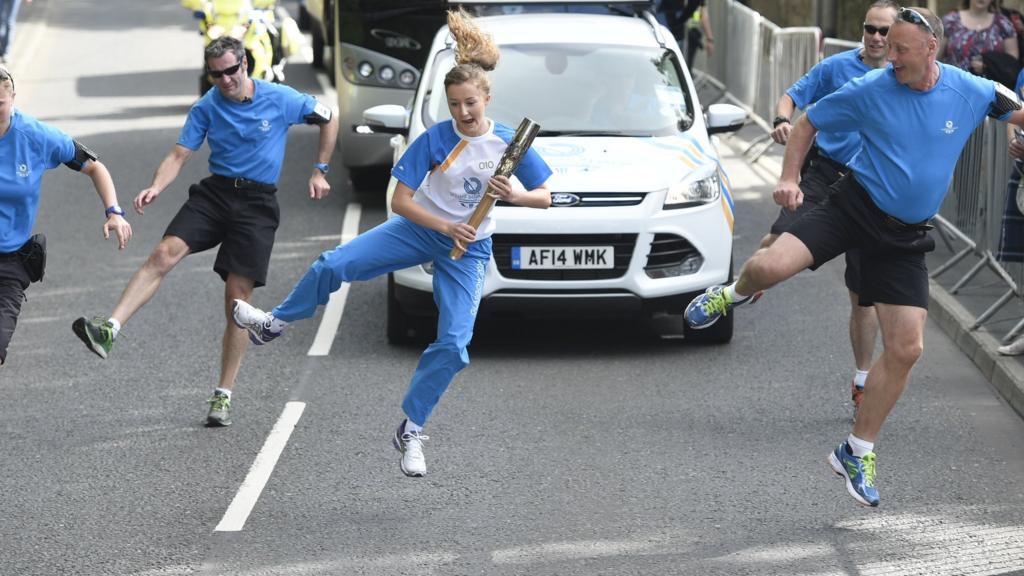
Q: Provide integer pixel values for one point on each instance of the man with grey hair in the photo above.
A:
(245, 122)
(914, 118)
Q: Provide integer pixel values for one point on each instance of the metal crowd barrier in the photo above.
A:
(971, 215)
(759, 61)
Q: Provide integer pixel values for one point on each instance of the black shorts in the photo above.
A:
(13, 282)
(892, 262)
(817, 177)
(243, 220)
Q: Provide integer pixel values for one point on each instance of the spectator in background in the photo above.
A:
(1011, 237)
(8, 16)
(981, 40)
(1017, 20)
(678, 16)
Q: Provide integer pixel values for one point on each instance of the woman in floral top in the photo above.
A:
(978, 28)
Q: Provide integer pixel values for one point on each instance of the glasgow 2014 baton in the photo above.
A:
(517, 148)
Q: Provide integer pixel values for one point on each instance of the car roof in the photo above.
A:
(547, 28)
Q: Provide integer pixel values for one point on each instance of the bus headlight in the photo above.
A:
(689, 194)
(386, 73)
(365, 69)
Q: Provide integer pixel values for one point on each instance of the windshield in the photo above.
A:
(579, 89)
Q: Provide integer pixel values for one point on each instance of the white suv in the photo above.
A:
(641, 217)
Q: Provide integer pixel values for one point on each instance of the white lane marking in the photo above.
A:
(336, 305)
(240, 508)
(576, 550)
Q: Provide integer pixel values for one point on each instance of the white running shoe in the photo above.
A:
(1014, 348)
(410, 444)
(255, 321)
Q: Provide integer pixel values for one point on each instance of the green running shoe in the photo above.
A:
(97, 334)
(220, 410)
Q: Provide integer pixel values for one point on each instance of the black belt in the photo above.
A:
(841, 168)
(890, 222)
(242, 183)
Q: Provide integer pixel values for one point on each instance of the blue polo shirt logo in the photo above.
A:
(23, 171)
(950, 128)
(265, 125)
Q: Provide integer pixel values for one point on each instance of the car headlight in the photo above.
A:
(688, 194)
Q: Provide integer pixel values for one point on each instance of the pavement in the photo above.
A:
(955, 312)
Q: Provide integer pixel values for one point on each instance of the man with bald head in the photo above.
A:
(914, 118)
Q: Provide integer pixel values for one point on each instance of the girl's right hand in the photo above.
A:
(462, 234)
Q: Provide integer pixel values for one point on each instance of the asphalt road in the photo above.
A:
(585, 447)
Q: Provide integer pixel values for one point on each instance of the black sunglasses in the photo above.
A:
(229, 71)
(872, 30)
(914, 17)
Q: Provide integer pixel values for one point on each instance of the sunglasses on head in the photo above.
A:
(914, 17)
(229, 71)
(872, 30)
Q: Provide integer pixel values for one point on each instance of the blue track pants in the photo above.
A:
(396, 244)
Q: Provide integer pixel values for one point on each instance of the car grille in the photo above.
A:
(502, 249)
(597, 199)
(668, 250)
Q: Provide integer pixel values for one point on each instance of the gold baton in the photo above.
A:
(517, 148)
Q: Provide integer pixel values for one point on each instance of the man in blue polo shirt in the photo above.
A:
(914, 119)
(29, 148)
(826, 163)
(245, 123)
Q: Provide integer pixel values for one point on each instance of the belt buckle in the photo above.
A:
(239, 182)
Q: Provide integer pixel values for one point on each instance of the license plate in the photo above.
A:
(562, 257)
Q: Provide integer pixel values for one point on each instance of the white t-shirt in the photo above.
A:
(450, 170)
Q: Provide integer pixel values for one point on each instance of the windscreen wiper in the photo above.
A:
(582, 133)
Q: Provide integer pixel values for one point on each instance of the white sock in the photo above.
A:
(115, 325)
(736, 297)
(222, 392)
(411, 427)
(860, 447)
(860, 379)
(274, 324)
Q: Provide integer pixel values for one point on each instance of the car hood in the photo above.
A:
(620, 164)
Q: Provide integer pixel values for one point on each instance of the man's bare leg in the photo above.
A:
(147, 279)
(236, 340)
(902, 344)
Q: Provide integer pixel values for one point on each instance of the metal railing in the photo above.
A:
(760, 61)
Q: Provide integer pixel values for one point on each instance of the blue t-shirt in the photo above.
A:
(823, 79)
(28, 149)
(449, 171)
(247, 139)
(911, 140)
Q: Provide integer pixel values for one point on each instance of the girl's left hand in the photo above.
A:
(501, 189)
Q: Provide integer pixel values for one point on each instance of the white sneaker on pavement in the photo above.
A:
(410, 444)
(1014, 348)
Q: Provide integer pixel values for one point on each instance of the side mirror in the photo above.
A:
(725, 118)
(385, 119)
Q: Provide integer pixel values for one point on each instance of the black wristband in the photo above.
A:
(780, 120)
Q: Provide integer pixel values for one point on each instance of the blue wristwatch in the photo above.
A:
(115, 209)
(323, 167)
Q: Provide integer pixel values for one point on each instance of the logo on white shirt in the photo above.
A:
(23, 171)
(473, 187)
(950, 128)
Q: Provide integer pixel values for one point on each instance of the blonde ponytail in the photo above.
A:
(475, 52)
